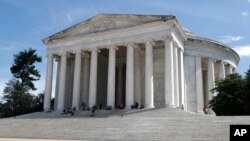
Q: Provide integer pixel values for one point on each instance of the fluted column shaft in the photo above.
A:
(169, 73)
(77, 79)
(176, 76)
(57, 83)
(210, 79)
(229, 69)
(137, 77)
(48, 85)
(62, 82)
(93, 78)
(149, 78)
(221, 70)
(181, 70)
(111, 77)
(130, 76)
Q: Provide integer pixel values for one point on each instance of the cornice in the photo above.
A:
(208, 42)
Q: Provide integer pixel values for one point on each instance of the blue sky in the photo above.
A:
(24, 23)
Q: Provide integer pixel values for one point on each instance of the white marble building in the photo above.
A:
(113, 59)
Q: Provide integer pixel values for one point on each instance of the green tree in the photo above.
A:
(233, 95)
(229, 100)
(1, 109)
(39, 102)
(246, 96)
(24, 67)
(18, 99)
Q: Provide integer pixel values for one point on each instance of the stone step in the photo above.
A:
(153, 124)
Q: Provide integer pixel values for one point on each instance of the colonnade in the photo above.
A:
(174, 76)
(223, 70)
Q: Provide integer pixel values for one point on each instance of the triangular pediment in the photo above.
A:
(105, 22)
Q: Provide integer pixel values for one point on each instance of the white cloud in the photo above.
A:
(243, 50)
(228, 39)
(244, 13)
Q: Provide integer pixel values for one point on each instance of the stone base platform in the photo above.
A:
(156, 124)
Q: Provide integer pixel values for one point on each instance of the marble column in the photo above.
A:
(210, 78)
(181, 83)
(93, 78)
(77, 80)
(111, 77)
(86, 78)
(176, 76)
(130, 75)
(169, 72)
(137, 78)
(229, 69)
(62, 81)
(57, 83)
(199, 86)
(48, 84)
(221, 70)
(233, 70)
(149, 78)
(120, 84)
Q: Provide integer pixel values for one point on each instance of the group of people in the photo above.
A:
(109, 107)
(137, 106)
(70, 111)
(84, 107)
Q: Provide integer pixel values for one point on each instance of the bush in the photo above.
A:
(233, 97)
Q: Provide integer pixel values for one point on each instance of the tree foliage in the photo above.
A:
(19, 101)
(233, 95)
(24, 67)
(246, 94)
(17, 98)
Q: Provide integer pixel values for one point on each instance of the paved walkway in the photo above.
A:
(160, 124)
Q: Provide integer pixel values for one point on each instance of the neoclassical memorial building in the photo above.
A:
(114, 59)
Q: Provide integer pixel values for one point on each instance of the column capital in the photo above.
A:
(149, 42)
(63, 53)
(130, 44)
(112, 46)
(95, 49)
(168, 38)
(77, 51)
(181, 50)
(175, 44)
(231, 66)
(211, 59)
(223, 62)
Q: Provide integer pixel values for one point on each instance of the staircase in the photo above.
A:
(155, 124)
